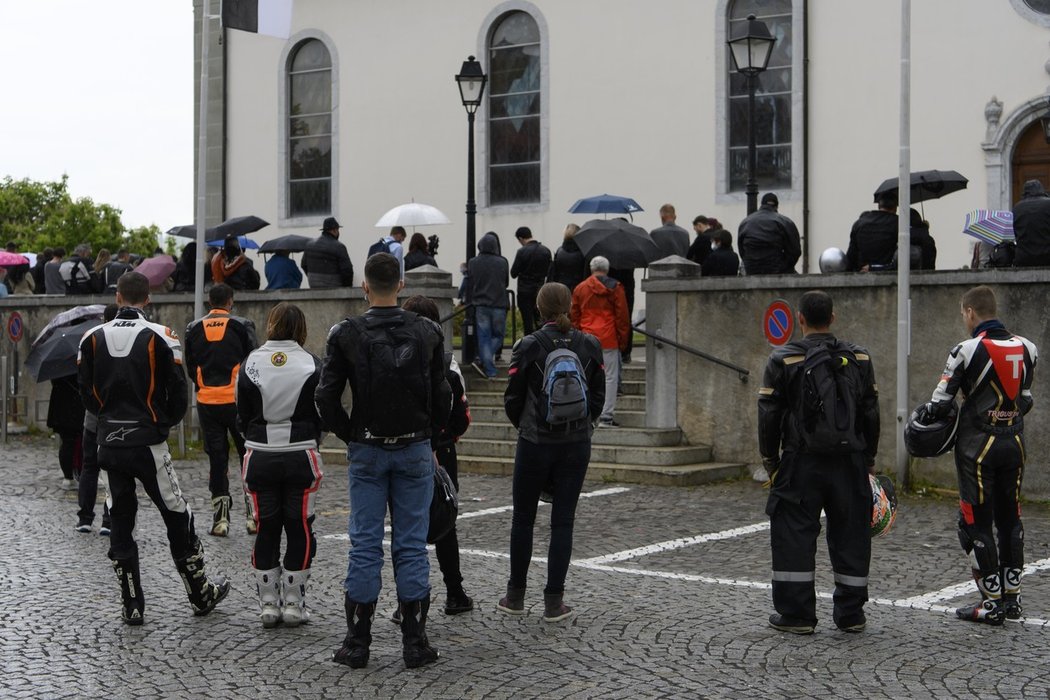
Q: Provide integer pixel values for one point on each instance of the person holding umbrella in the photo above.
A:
(231, 266)
(65, 416)
(282, 272)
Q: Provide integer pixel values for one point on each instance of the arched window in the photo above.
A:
(514, 143)
(773, 101)
(309, 130)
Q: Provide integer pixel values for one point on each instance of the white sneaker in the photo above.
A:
(68, 485)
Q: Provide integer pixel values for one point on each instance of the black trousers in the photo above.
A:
(69, 452)
(282, 486)
(447, 548)
(87, 491)
(217, 421)
(152, 467)
(527, 306)
(990, 469)
(562, 467)
(803, 486)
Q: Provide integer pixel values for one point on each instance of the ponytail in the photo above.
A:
(553, 302)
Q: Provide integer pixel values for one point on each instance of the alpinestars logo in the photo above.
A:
(119, 434)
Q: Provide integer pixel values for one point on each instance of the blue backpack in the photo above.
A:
(564, 388)
(381, 246)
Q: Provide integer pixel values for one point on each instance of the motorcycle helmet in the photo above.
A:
(930, 437)
(883, 504)
(833, 260)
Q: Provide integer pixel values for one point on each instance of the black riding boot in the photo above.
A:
(133, 601)
(415, 647)
(354, 652)
(203, 593)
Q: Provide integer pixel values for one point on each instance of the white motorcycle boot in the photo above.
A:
(294, 610)
(268, 583)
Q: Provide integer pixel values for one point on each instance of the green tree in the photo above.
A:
(37, 215)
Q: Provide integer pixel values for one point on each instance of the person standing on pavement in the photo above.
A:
(599, 307)
(818, 462)
(489, 276)
(444, 445)
(65, 416)
(1032, 226)
(550, 456)
(115, 268)
(993, 370)
(325, 260)
(282, 466)
(87, 490)
(394, 361)
(131, 378)
(393, 243)
(669, 237)
(216, 345)
(42, 259)
(768, 241)
(531, 263)
(53, 282)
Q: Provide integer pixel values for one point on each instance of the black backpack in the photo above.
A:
(380, 246)
(393, 374)
(828, 399)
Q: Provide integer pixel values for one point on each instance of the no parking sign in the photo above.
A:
(15, 327)
(778, 323)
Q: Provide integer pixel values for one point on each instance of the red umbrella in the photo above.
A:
(12, 259)
(156, 269)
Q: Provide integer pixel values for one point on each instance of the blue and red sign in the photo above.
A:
(15, 327)
(778, 323)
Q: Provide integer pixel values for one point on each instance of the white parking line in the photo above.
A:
(960, 589)
(675, 544)
(496, 510)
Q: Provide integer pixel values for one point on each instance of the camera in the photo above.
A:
(432, 245)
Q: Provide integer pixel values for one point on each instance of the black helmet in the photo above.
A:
(925, 436)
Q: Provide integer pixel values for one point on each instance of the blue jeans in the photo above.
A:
(404, 477)
(491, 324)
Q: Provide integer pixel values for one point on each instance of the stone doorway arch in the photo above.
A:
(1030, 160)
(1001, 143)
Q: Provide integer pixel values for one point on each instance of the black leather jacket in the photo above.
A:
(768, 243)
(340, 366)
(522, 397)
(778, 396)
(1032, 230)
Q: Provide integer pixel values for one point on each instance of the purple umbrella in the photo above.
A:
(156, 269)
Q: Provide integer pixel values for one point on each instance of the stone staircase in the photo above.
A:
(630, 453)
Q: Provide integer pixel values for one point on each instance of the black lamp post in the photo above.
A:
(471, 81)
(751, 46)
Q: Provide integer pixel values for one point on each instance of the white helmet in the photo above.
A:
(833, 260)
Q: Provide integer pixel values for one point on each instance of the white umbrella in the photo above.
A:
(412, 214)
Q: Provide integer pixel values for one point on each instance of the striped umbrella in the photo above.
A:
(990, 226)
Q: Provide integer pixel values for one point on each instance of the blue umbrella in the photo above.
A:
(605, 204)
(245, 243)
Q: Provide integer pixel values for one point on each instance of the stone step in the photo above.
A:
(496, 414)
(487, 397)
(622, 436)
(499, 384)
(615, 454)
(634, 372)
(679, 475)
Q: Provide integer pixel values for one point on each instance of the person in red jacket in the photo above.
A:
(599, 307)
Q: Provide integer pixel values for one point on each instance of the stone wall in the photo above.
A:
(723, 317)
(323, 309)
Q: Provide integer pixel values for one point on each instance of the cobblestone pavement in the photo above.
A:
(670, 585)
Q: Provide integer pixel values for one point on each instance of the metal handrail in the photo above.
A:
(455, 312)
(742, 373)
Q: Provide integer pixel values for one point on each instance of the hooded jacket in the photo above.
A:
(1032, 226)
(599, 307)
(873, 241)
(569, 266)
(489, 274)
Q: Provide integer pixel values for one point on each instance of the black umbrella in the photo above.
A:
(57, 356)
(292, 243)
(186, 231)
(624, 244)
(927, 184)
(237, 226)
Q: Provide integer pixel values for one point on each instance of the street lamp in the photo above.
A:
(471, 81)
(751, 46)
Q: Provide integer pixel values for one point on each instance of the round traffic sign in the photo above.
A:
(778, 323)
(15, 327)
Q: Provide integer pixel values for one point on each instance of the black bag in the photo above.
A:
(381, 246)
(394, 372)
(444, 506)
(826, 417)
(1003, 255)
